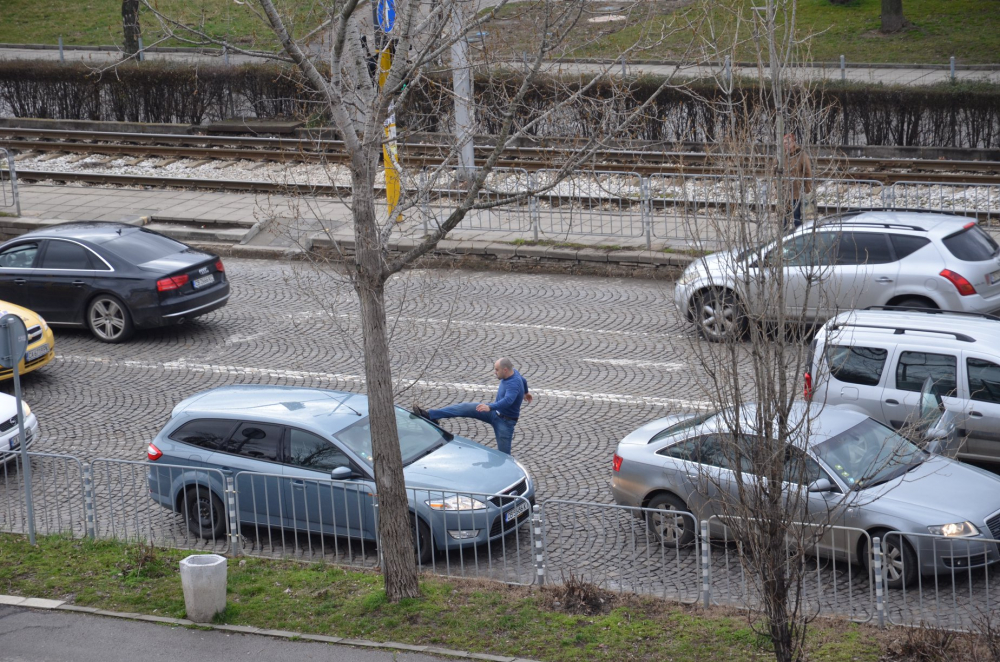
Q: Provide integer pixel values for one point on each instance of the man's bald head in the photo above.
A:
(503, 368)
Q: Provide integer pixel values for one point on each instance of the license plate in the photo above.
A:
(204, 280)
(36, 352)
(15, 442)
(514, 512)
(993, 278)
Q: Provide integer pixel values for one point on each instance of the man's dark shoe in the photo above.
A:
(421, 412)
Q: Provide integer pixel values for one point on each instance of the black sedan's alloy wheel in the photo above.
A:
(109, 319)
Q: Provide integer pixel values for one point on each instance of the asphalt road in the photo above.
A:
(47, 636)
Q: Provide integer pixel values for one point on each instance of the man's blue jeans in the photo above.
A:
(502, 427)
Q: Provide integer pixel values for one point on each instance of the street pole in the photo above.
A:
(385, 18)
(12, 329)
(461, 77)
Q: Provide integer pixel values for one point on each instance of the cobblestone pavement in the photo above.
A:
(602, 356)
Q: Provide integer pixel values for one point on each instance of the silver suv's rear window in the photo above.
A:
(856, 365)
(972, 244)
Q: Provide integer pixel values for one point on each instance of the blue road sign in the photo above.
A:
(386, 15)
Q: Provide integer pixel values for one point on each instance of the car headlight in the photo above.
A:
(456, 502)
(25, 409)
(527, 474)
(955, 530)
(43, 323)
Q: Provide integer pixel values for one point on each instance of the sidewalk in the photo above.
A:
(889, 74)
(51, 630)
(281, 226)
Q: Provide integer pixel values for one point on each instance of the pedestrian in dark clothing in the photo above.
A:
(502, 413)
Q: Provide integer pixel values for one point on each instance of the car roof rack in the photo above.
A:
(901, 330)
(884, 225)
(935, 311)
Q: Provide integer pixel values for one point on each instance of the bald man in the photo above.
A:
(502, 413)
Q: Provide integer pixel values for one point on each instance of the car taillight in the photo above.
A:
(963, 286)
(617, 462)
(219, 266)
(171, 283)
(153, 453)
(809, 388)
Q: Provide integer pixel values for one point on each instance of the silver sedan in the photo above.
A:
(851, 471)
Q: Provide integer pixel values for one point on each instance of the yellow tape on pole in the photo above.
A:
(390, 153)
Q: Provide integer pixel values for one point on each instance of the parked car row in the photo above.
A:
(901, 382)
(110, 278)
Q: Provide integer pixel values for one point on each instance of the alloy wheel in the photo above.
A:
(107, 319)
(666, 524)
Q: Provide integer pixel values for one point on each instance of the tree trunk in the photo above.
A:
(394, 526)
(130, 26)
(892, 15)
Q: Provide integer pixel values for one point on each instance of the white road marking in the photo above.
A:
(666, 367)
(307, 314)
(302, 375)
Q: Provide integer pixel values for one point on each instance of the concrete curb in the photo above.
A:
(61, 605)
(480, 253)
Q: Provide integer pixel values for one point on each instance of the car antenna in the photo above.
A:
(342, 403)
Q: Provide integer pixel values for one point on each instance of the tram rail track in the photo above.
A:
(284, 150)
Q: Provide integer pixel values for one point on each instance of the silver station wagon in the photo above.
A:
(852, 472)
(301, 459)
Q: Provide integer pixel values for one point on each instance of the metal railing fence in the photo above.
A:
(954, 585)
(487, 535)
(10, 202)
(618, 547)
(831, 583)
(692, 208)
(184, 507)
(951, 198)
(57, 489)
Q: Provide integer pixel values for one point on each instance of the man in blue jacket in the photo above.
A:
(502, 413)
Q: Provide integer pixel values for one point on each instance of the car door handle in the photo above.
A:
(20, 281)
(226, 470)
(298, 484)
(79, 283)
(891, 401)
(975, 414)
(883, 279)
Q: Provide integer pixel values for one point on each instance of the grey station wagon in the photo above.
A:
(301, 459)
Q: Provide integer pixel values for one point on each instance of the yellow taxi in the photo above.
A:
(41, 342)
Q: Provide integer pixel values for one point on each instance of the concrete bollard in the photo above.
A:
(203, 578)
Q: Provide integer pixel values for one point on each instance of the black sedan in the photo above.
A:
(111, 277)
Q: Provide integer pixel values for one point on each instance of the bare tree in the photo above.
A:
(130, 26)
(333, 57)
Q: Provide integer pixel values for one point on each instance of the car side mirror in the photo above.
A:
(821, 485)
(342, 473)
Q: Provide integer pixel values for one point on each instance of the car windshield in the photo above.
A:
(869, 454)
(417, 437)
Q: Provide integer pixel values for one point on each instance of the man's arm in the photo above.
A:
(507, 398)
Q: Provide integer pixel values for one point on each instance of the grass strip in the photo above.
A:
(574, 622)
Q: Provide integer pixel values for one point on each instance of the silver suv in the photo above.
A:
(876, 362)
(914, 260)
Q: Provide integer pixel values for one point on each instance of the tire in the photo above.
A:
(719, 316)
(423, 546)
(672, 531)
(899, 561)
(205, 515)
(109, 320)
(916, 304)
